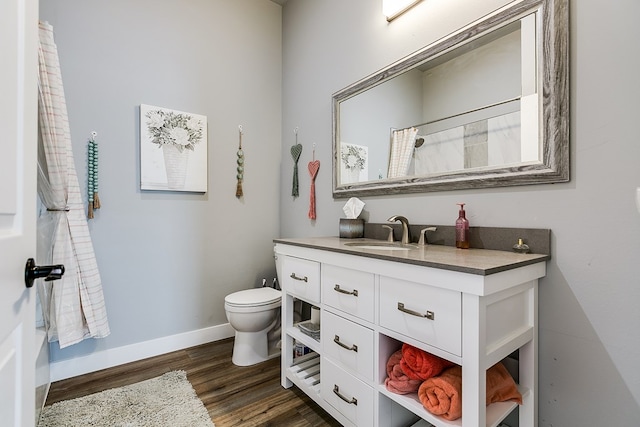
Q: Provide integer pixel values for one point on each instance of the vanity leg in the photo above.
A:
(286, 344)
(473, 349)
(528, 366)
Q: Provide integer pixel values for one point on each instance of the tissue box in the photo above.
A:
(351, 228)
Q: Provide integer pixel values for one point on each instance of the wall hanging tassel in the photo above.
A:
(314, 166)
(296, 150)
(240, 168)
(92, 175)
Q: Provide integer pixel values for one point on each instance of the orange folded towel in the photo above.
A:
(442, 395)
(420, 365)
(397, 381)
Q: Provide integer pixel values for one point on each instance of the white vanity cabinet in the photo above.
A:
(472, 307)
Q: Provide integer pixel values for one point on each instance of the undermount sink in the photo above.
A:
(382, 246)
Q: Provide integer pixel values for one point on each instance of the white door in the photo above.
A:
(18, 145)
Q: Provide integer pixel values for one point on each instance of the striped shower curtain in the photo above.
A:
(73, 306)
(402, 146)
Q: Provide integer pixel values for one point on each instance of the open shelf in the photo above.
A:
(305, 373)
(496, 412)
(305, 339)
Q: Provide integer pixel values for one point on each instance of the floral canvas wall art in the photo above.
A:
(173, 150)
(354, 165)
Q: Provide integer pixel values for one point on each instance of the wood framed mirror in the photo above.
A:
(487, 106)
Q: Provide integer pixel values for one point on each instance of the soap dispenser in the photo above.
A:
(462, 229)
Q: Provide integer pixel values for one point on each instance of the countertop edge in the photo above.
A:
(534, 259)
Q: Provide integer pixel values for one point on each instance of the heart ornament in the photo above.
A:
(296, 150)
(314, 166)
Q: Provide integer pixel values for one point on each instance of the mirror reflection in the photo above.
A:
(451, 113)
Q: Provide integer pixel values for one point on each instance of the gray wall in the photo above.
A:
(589, 319)
(168, 259)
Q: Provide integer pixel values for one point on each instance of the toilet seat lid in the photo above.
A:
(254, 297)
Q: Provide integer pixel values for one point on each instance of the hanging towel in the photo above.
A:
(397, 381)
(402, 146)
(74, 307)
(420, 365)
(442, 395)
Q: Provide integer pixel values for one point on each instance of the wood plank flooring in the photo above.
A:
(234, 396)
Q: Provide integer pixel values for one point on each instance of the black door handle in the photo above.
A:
(33, 272)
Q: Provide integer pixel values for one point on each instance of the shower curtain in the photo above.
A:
(73, 306)
(402, 146)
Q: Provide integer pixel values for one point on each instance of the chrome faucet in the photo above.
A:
(405, 227)
(390, 235)
(423, 237)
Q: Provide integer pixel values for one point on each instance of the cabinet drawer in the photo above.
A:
(350, 291)
(349, 395)
(350, 345)
(301, 277)
(425, 313)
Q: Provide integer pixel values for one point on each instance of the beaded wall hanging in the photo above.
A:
(92, 175)
(240, 162)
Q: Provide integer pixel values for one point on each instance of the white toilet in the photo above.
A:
(253, 314)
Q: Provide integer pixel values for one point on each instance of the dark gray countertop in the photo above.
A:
(473, 261)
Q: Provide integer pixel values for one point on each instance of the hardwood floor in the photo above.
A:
(234, 396)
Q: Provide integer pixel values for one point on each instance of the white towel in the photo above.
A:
(402, 147)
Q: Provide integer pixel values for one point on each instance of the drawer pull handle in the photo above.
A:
(336, 339)
(429, 315)
(352, 401)
(342, 291)
(302, 279)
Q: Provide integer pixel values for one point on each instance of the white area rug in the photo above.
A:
(168, 400)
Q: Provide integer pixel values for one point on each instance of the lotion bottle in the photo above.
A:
(462, 229)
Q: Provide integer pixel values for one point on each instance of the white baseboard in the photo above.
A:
(64, 369)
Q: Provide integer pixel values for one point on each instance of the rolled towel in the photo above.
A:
(442, 395)
(397, 381)
(420, 365)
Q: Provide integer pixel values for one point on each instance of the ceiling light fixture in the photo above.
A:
(394, 8)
